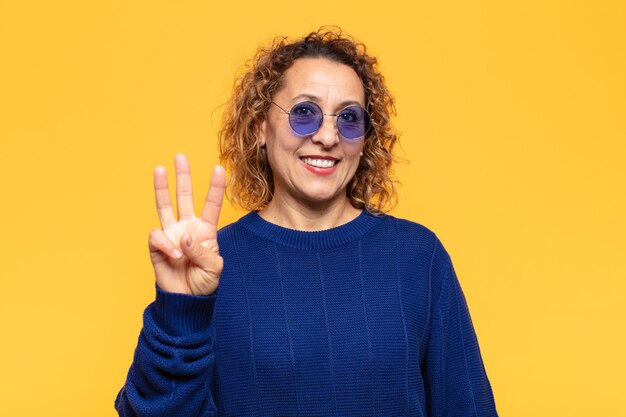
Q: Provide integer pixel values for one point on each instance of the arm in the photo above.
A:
(172, 367)
(455, 377)
(173, 363)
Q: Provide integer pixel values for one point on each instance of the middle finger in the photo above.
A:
(184, 194)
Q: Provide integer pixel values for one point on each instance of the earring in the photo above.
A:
(361, 154)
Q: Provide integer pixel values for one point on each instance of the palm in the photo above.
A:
(199, 268)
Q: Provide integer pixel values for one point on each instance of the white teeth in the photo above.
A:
(320, 163)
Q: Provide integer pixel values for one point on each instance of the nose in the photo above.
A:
(327, 135)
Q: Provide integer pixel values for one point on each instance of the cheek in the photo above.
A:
(354, 150)
(281, 152)
(284, 143)
(355, 157)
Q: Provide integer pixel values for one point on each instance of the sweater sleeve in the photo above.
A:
(455, 378)
(173, 363)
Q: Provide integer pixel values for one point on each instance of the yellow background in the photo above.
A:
(512, 117)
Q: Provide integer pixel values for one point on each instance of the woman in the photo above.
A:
(325, 305)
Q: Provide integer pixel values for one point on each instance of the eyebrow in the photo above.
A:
(317, 100)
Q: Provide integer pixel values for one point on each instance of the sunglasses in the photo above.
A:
(306, 118)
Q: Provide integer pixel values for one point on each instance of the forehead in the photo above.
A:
(322, 78)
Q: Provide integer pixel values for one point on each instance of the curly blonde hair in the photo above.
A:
(251, 182)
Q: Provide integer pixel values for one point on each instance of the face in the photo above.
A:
(317, 168)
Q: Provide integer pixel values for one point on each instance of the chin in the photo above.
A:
(323, 197)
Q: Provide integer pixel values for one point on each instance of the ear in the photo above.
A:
(261, 128)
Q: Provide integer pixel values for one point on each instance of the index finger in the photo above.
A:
(215, 196)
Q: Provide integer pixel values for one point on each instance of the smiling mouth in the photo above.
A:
(320, 163)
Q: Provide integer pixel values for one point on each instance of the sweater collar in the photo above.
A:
(307, 240)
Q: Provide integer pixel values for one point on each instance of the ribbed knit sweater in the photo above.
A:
(365, 319)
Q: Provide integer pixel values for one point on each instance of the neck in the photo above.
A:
(309, 217)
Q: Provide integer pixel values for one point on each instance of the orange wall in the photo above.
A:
(512, 117)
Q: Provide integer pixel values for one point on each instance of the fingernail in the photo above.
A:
(177, 253)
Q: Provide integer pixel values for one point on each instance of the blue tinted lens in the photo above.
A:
(305, 118)
(353, 122)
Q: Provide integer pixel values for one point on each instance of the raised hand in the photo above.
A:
(184, 252)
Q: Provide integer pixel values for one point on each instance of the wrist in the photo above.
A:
(182, 314)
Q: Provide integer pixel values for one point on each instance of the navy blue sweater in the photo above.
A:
(365, 319)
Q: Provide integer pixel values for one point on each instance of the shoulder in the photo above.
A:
(411, 229)
(226, 232)
(229, 235)
(415, 240)
(230, 230)
(411, 234)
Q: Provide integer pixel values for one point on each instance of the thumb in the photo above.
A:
(196, 253)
